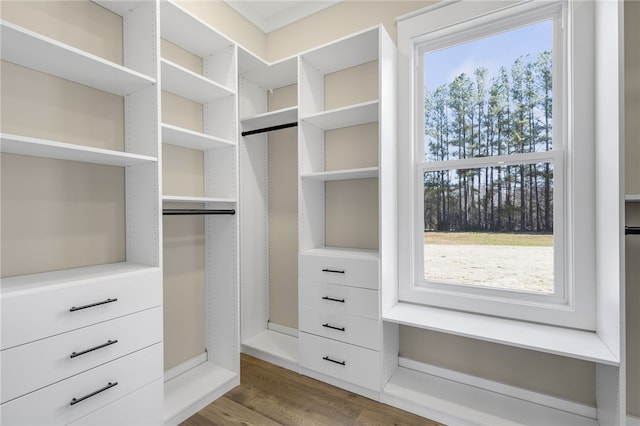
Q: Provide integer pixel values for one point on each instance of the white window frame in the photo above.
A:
(456, 22)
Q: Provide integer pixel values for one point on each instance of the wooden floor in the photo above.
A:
(271, 395)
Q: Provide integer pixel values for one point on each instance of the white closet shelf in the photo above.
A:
(353, 115)
(267, 75)
(343, 252)
(186, 138)
(196, 388)
(97, 272)
(119, 7)
(579, 344)
(29, 49)
(181, 199)
(200, 39)
(23, 145)
(632, 198)
(269, 119)
(188, 84)
(364, 173)
(345, 53)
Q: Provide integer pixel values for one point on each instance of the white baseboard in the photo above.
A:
(293, 332)
(185, 366)
(501, 388)
(456, 403)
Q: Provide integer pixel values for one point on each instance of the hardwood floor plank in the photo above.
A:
(270, 395)
(228, 412)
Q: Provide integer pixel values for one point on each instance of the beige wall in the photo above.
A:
(61, 214)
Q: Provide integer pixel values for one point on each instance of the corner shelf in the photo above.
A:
(364, 173)
(181, 199)
(353, 115)
(174, 135)
(632, 198)
(269, 119)
(29, 49)
(34, 147)
(186, 83)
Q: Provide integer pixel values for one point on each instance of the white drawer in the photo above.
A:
(355, 272)
(59, 305)
(141, 408)
(346, 328)
(339, 299)
(340, 360)
(87, 391)
(35, 365)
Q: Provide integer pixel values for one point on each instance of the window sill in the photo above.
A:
(579, 344)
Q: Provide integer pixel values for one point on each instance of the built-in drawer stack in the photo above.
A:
(75, 342)
(340, 328)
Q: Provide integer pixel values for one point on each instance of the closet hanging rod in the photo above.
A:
(632, 230)
(176, 212)
(269, 129)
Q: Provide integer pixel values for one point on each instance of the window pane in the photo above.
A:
(490, 226)
(491, 96)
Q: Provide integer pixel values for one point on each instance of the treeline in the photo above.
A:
(478, 116)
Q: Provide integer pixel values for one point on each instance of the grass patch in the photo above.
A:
(489, 239)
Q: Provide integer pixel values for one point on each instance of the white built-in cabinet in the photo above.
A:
(87, 340)
(341, 338)
(199, 380)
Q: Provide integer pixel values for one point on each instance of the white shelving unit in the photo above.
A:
(197, 382)
(327, 353)
(38, 302)
(256, 80)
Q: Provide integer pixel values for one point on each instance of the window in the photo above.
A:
(494, 164)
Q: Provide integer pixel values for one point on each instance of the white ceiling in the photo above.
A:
(269, 15)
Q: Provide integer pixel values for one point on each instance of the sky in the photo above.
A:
(442, 66)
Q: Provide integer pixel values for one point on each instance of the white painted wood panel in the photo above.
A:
(38, 364)
(40, 305)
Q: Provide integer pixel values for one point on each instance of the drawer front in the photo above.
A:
(35, 365)
(141, 408)
(339, 270)
(346, 328)
(333, 298)
(55, 309)
(80, 395)
(340, 360)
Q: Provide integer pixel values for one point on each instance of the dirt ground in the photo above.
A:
(511, 267)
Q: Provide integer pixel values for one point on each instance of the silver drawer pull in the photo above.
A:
(86, 351)
(332, 299)
(335, 271)
(333, 327)
(326, 358)
(104, 302)
(74, 401)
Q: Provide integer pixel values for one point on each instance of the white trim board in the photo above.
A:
(500, 388)
(456, 403)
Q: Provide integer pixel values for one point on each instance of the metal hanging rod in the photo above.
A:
(176, 212)
(632, 230)
(269, 129)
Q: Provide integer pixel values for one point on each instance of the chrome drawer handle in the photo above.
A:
(333, 328)
(86, 351)
(326, 358)
(335, 271)
(104, 302)
(74, 401)
(332, 299)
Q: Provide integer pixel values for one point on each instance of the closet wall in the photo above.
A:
(36, 218)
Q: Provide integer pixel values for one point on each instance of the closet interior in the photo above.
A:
(200, 226)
